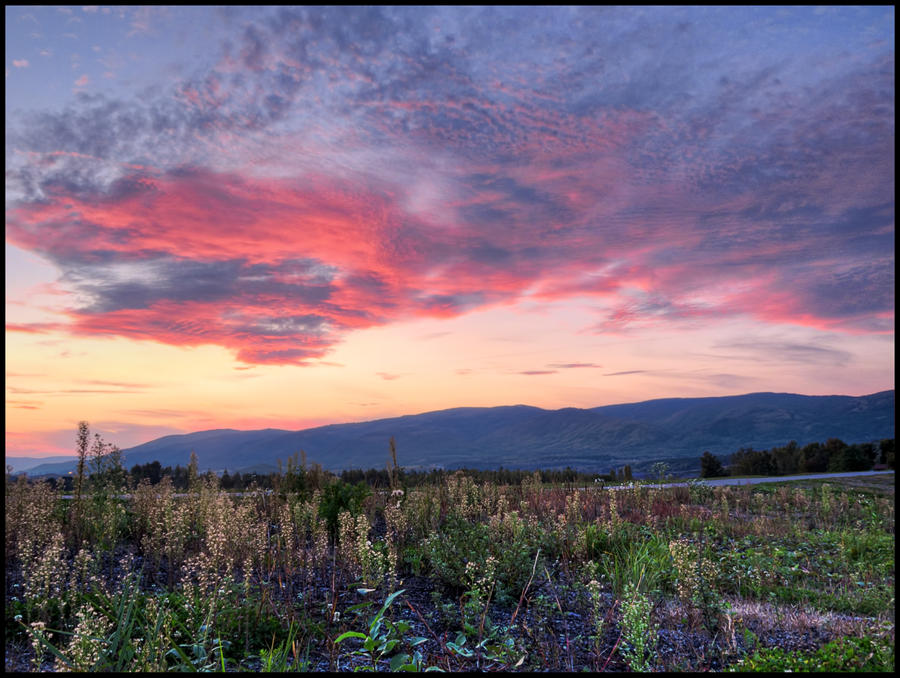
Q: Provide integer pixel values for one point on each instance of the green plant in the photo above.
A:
(382, 638)
(458, 543)
(638, 629)
(593, 541)
(277, 659)
(841, 655)
(114, 633)
(495, 652)
(597, 616)
(338, 497)
(695, 580)
(413, 557)
(639, 558)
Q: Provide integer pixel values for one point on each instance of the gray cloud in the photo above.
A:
(780, 351)
(140, 284)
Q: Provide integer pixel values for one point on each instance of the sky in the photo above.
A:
(285, 217)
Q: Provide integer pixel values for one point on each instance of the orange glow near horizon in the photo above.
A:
(135, 391)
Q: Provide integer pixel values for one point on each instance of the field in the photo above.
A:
(323, 575)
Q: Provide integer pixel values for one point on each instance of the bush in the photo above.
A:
(339, 497)
(454, 546)
(843, 654)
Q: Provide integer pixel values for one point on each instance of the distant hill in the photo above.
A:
(676, 430)
(20, 464)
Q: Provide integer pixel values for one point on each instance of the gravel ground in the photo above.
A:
(560, 642)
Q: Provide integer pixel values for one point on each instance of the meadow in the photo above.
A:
(319, 574)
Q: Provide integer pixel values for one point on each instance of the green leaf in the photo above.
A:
(360, 606)
(390, 599)
(460, 650)
(398, 660)
(350, 634)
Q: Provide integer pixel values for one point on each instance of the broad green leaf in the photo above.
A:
(398, 660)
(350, 634)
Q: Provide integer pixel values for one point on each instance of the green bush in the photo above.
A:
(843, 654)
(338, 497)
(458, 542)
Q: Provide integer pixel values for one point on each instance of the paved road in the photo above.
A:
(756, 481)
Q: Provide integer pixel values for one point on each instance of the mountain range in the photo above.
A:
(674, 430)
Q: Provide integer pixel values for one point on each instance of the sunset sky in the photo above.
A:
(288, 217)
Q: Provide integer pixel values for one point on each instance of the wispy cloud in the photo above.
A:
(24, 404)
(786, 351)
(569, 366)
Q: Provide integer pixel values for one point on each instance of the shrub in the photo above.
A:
(843, 654)
(339, 497)
(458, 542)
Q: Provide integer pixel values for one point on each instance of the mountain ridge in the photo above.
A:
(676, 430)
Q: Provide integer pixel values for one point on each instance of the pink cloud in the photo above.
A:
(367, 261)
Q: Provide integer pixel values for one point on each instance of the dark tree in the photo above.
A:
(815, 458)
(886, 452)
(787, 459)
(710, 466)
(859, 457)
(750, 462)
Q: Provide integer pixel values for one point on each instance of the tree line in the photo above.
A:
(301, 479)
(102, 462)
(832, 456)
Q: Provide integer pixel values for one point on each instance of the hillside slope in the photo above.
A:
(519, 436)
